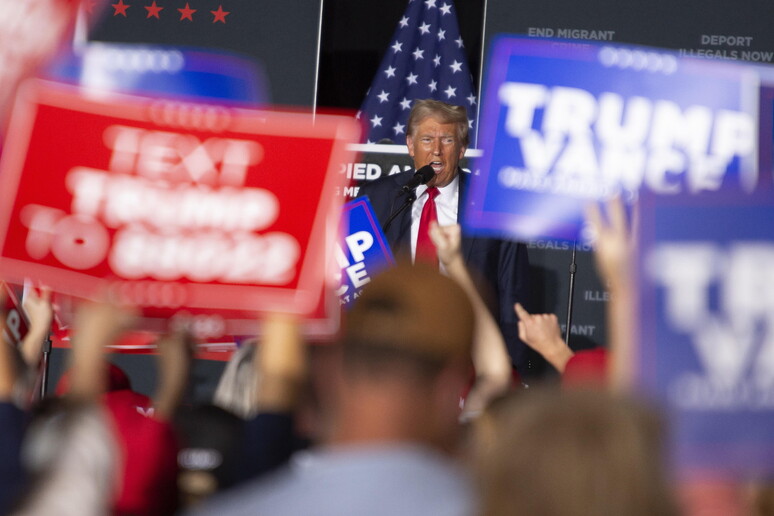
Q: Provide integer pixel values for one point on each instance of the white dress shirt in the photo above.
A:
(445, 204)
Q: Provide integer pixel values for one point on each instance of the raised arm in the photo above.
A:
(40, 313)
(96, 325)
(490, 356)
(175, 356)
(280, 363)
(613, 253)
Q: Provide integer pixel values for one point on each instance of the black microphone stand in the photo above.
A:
(573, 269)
(45, 364)
(411, 196)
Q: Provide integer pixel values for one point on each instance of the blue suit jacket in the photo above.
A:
(500, 268)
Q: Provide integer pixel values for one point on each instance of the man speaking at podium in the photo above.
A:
(437, 137)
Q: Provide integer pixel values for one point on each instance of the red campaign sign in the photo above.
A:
(182, 209)
(16, 325)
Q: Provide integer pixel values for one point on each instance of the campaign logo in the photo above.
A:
(364, 251)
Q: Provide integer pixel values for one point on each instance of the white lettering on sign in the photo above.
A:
(728, 41)
(723, 299)
(180, 157)
(210, 256)
(180, 210)
(575, 139)
(361, 171)
(77, 241)
(12, 328)
(548, 32)
(357, 243)
(123, 199)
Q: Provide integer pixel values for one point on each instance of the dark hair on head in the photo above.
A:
(446, 113)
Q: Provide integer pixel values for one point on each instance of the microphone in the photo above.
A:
(422, 176)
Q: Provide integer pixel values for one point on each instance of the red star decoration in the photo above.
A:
(187, 12)
(153, 10)
(220, 15)
(120, 8)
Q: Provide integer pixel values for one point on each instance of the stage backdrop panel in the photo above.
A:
(728, 29)
(725, 29)
(282, 36)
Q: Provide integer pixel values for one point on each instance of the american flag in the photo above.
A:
(425, 60)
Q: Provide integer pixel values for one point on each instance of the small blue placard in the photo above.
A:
(564, 123)
(363, 250)
(184, 73)
(706, 336)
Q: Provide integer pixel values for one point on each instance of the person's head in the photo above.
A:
(572, 453)
(437, 135)
(409, 337)
(209, 455)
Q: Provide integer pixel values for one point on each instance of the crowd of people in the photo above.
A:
(413, 410)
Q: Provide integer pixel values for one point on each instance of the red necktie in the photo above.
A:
(426, 251)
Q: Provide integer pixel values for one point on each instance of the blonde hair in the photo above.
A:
(556, 453)
(446, 113)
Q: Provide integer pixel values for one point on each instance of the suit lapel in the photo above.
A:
(400, 229)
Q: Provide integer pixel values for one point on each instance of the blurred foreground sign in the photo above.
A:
(563, 124)
(706, 344)
(183, 209)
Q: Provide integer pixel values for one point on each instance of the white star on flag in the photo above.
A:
(404, 77)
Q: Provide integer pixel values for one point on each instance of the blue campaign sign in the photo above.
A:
(564, 123)
(364, 250)
(189, 74)
(706, 336)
